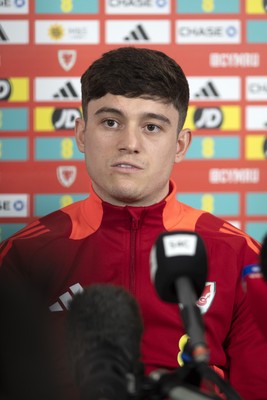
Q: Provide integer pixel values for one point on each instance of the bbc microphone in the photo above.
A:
(179, 269)
(104, 330)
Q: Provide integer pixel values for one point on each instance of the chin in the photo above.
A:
(126, 195)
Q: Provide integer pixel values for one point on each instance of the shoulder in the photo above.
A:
(37, 234)
(219, 233)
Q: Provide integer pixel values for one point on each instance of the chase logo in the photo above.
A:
(208, 31)
(13, 205)
(14, 89)
(137, 7)
(256, 6)
(256, 88)
(14, 6)
(51, 119)
(224, 118)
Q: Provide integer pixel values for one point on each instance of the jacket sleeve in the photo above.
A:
(246, 344)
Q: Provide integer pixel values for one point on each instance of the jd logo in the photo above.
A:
(5, 89)
(64, 118)
(208, 118)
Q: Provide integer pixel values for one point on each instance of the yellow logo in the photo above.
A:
(214, 117)
(47, 119)
(56, 32)
(14, 89)
(256, 7)
(255, 147)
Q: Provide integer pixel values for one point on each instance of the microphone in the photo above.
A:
(254, 279)
(26, 362)
(104, 330)
(178, 262)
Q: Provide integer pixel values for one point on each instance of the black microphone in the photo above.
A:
(179, 271)
(104, 330)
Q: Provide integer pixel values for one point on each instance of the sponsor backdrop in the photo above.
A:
(46, 46)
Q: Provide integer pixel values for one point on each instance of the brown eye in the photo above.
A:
(111, 123)
(152, 128)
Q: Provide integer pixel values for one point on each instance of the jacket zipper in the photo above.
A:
(134, 228)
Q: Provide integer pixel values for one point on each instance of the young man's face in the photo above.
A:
(130, 146)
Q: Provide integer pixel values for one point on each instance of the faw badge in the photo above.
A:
(208, 294)
(67, 58)
(66, 175)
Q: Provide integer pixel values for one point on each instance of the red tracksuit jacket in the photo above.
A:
(91, 241)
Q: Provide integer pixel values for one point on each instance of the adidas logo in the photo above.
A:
(67, 91)
(3, 35)
(63, 302)
(137, 34)
(208, 91)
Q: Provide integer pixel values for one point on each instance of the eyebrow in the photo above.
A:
(152, 115)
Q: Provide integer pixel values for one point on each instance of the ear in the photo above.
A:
(80, 134)
(183, 143)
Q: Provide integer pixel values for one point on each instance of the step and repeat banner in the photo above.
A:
(45, 46)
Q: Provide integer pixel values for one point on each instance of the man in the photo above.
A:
(134, 106)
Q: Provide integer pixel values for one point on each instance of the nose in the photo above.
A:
(130, 140)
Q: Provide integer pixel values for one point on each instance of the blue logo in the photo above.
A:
(161, 3)
(18, 205)
(231, 31)
(20, 3)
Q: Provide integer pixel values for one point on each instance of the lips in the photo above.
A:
(126, 165)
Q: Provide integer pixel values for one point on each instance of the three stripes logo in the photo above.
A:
(209, 90)
(63, 301)
(66, 92)
(3, 35)
(137, 34)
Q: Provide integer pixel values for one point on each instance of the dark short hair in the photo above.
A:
(137, 72)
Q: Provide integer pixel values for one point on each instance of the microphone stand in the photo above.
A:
(184, 384)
